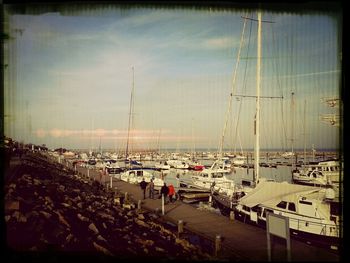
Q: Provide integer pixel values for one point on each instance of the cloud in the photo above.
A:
(103, 133)
(219, 43)
(40, 133)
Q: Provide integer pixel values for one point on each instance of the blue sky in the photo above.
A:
(69, 78)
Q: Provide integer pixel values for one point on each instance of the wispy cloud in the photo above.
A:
(311, 74)
(104, 134)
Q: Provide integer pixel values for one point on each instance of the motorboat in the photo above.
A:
(322, 173)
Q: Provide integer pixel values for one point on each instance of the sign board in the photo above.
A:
(277, 225)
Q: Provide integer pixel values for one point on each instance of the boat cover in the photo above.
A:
(267, 191)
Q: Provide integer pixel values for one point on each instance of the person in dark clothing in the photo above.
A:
(164, 191)
(151, 189)
(143, 186)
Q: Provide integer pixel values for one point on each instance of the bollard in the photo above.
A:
(139, 205)
(180, 228)
(88, 172)
(232, 216)
(210, 200)
(111, 182)
(163, 204)
(157, 211)
(217, 245)
(75, 168)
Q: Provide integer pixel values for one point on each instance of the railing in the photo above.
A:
(312, 227)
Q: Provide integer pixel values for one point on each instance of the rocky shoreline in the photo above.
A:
(52, 212)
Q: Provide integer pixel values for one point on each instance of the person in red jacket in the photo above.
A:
(171, 192)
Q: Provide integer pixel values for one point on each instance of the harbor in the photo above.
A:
(173, 133)
(238, 241)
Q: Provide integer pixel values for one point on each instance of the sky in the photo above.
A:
(69, 78)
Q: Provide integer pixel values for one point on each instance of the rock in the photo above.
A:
(141, 217)
(45, 214)
(48, 200)
(61, 188)
(69, 237)
(127, 237)
(65, 205)
(130, 213)
(144, 242)
(105, 216)
(36, 182)
(184, 243)
(12, 205)
(141, 223)
(93, 228)
(101, 238)
(102, 249)
(159, 249)
(83, 218)
(62, 219)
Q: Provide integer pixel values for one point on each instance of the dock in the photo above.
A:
(239, 241)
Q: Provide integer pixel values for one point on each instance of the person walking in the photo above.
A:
(164, 192)
(171, 192)
(151, 189)
(143, 186)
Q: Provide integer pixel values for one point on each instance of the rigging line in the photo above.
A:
(244, 85)
(254, 96)
(262, 21)
(275, 47)
(130, 114)
(233, 86)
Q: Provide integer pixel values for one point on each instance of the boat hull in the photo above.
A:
(328, 242)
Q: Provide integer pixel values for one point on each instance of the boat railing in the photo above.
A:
(326, 229)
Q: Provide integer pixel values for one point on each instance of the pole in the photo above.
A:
(139, 205)
(163, 204)
(257, 119)
(304, 131)
(180, 228)
(217, 244)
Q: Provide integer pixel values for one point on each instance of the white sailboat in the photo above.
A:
(135, 176)
(313, 212)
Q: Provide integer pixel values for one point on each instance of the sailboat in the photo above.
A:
(313, 213)
(127, 159)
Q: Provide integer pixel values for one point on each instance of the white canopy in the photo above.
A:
(266, 191)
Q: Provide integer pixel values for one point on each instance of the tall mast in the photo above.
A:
(257, 118)
(292, 130)
(304, 131)
(160, 130)
(131, 102)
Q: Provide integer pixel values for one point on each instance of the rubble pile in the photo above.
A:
(64, 213)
